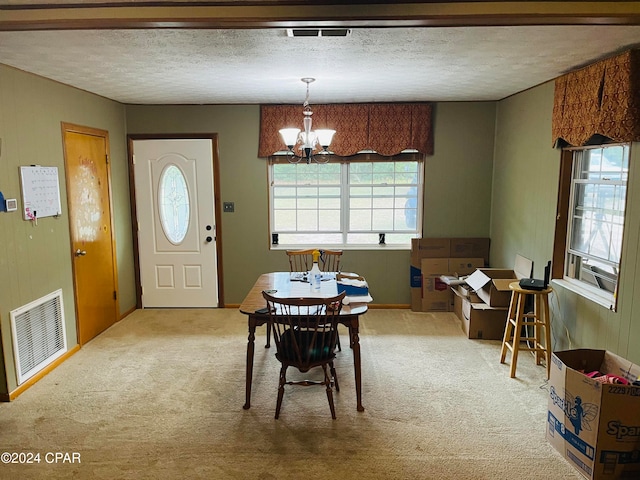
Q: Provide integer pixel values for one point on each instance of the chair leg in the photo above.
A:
(338, 340)
(327, 380)
(335, 376)
(283, 380)
(268, 336)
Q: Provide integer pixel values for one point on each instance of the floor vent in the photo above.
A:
(38, 334)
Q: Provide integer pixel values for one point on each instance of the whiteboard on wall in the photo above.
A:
(40, 192)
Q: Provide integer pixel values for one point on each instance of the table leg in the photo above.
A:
(355, 343)
(250, 349)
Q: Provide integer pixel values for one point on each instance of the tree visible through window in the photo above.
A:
(596, 217)
(349, 203)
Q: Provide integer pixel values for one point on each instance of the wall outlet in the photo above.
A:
(228, 207)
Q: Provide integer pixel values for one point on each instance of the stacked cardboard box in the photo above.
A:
(482, 304)
(433, 257)
(595, 425)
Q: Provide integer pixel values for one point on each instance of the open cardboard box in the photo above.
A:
(479, 320)
(492, 284)
(465, 291)
(441, 248)
(594, 425)
(436, 294)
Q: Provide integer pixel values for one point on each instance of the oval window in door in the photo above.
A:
(173, 204)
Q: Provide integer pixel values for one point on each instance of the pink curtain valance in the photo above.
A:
(387, 128)
(601, 99)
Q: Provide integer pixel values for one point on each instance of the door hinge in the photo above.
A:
(106, 157)
(115, 295)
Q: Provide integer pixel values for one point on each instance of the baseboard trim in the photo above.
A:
(41, 374)
(390, 306)
(127, 313)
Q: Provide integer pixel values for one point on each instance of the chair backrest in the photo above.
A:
(304, 329)
(300, 260)
(330, 260)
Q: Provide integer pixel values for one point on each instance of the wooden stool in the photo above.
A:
(518, 318)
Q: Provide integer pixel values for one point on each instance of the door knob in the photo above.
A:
(208, 239)
(80, 253)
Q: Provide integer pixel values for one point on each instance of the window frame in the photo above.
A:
(565, 211)
(344, 232)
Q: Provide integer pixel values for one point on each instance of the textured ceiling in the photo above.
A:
(253, 65)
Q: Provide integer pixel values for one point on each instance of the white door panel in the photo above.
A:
(176, 222)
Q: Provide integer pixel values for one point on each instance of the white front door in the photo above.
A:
(176, 222)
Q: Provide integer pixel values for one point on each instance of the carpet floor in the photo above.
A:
(159, 396)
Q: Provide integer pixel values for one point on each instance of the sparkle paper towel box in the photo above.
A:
(595, 425)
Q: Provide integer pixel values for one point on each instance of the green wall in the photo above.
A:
(523, 211)
(36, 260)
(456, 205)
(493, 173)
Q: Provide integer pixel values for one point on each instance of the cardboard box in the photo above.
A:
(470, 248)
(429, 248)
(465, 291)
(440, 248)
(435, 293)
(595, 426)
(479, 320)
(492, 284)
(464, 266)
(424, 248)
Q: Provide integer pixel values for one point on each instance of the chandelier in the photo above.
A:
(309, 140)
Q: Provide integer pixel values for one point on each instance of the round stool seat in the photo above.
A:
(515, 287)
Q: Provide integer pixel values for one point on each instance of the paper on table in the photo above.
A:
(357, 299)
(353, 282)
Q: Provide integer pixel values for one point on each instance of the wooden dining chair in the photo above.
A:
(304, 331)
(330, 260)
(301, 260)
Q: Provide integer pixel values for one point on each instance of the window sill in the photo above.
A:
(603, 299)
(342, 247)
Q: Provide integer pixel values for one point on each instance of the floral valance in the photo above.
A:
(387, 128)
(601, 99)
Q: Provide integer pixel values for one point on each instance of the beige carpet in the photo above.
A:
(160, 395)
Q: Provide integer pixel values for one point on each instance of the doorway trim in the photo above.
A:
(216, 196)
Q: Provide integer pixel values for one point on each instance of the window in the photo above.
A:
(357, 203)
(596, 216)
(173, 204)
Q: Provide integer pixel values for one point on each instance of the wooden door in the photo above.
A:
(86, 153)
(175, 205)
